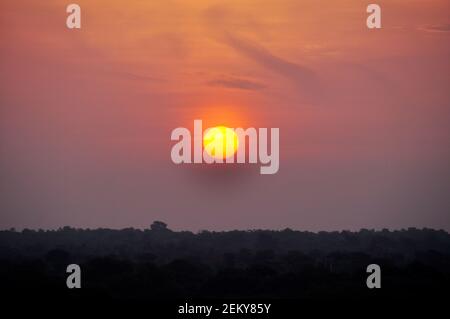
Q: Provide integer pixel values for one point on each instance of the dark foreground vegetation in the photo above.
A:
(158, 263)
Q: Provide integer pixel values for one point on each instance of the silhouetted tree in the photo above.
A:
(160, 263)
(158, 226)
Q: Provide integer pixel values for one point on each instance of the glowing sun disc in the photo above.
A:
(220, 142)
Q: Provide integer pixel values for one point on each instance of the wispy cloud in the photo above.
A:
(437, 28)
(304, 78)
(236, 83)
(264, 57)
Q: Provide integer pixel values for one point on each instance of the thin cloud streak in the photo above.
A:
(236, 83)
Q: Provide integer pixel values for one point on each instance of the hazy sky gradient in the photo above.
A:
(86, 115)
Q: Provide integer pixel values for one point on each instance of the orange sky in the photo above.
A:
(363, 114)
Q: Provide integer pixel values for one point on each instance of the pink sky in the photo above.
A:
(86, 115)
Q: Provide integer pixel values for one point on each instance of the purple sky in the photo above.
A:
(86, 115)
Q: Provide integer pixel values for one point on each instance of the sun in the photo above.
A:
(220, 142)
